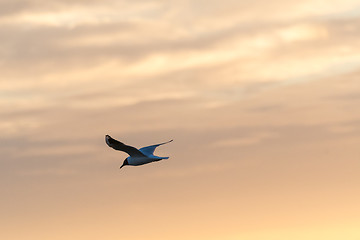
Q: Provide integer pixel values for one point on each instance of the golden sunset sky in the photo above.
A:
(262, 99)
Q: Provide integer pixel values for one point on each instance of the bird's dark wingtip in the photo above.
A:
(108, 139)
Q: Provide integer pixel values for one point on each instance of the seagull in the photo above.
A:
(137, 157)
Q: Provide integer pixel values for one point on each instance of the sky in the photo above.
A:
(260, 97)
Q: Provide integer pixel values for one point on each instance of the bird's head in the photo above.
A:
(125, 163)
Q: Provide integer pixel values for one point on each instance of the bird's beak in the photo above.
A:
(122, 166)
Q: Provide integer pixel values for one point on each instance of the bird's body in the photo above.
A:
(137, 156)
(136, 161)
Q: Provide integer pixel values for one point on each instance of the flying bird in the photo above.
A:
(137, 157)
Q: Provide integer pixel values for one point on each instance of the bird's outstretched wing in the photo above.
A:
(115, 144)
(149, 150)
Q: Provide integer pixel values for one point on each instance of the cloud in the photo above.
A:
(61, 63)
(255, 139)
(134, 49)
(62, 58)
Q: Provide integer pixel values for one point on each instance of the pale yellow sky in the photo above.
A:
(260, 97)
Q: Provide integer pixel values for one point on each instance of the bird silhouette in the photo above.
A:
(137, 157)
